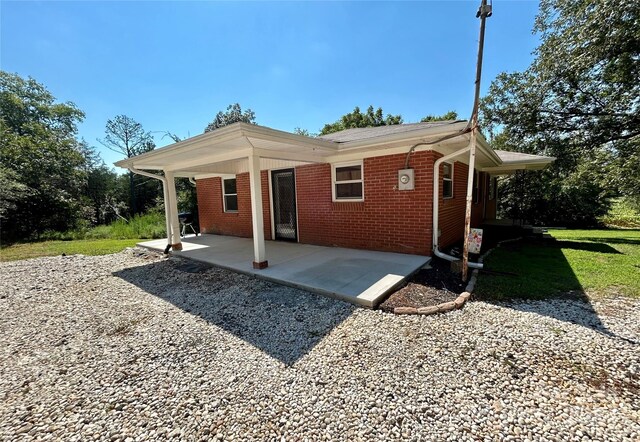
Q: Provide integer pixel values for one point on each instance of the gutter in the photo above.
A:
(436, 203)
(165, 192)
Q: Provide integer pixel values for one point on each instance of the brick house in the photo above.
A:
(396, 188)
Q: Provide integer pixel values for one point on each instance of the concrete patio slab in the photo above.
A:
(362, 277)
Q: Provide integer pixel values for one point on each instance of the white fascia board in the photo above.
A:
(245, 153)
(227, 133)
(508, 168)
(219, 135)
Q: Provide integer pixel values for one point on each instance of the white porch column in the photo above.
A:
(167, 214)
(257, 218)
(171, 205)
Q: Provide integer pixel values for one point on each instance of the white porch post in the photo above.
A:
(167, 214)
(171, 205)
(257, 218)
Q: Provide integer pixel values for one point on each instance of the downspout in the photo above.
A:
(436, 202)
(165, 192)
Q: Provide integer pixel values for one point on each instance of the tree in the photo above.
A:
(233, 114)
(577, 101)
(356, 119)
(451, 115)
(304, 132)
(40, 159)
(12, 193)
(126, 136)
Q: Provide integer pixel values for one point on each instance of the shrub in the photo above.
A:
(623, 213)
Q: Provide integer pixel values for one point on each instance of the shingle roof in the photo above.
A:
(517, 157)
(372, 132)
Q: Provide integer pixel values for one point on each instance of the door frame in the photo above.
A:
(271, 203)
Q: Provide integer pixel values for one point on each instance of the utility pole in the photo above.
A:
(484, 11)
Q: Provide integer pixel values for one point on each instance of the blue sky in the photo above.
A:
(173, 65)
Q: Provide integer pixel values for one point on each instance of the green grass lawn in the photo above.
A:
(596, 262)
(52, 248)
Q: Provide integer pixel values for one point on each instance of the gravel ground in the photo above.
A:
(135, 347)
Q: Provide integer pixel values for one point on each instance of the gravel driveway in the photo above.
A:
(132, 346)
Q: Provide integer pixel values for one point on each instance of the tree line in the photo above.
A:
(578, 101)
(53, 181)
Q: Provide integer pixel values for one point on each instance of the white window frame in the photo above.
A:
(333, 180)
(448, 179)
(224, 200)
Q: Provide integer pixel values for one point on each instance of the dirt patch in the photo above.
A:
(427, 287)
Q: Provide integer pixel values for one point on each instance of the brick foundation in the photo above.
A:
(260, 265)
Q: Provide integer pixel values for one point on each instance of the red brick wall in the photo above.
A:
(213, 218)
(387, 219)
(451, 218)
(451, 221)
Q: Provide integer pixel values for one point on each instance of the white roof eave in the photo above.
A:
(231, 132)
(162, 157)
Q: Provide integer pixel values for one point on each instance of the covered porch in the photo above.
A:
(243, 148)
(362, 277)
(231, 150)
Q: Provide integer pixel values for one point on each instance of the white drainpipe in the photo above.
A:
(436, 202)
(165, 192)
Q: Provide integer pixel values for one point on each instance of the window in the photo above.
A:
(347, 182)
(476, 187)
(447, 180)
(230, 195)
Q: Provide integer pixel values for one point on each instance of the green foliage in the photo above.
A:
(578, 102)
(41, 160)
(12, 192)
(451, 115)
(53, 248)
(148, 226)
(126, 136)
(623, 213)
(555, 197)
(598, 262)
(356, 119)
(305, 132)
(233, 114)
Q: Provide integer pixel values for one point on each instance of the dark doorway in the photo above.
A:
(283, 188)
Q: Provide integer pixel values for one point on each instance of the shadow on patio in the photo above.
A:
(284, 322)
(522, 273)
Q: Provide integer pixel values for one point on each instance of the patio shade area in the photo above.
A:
(362, 277)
